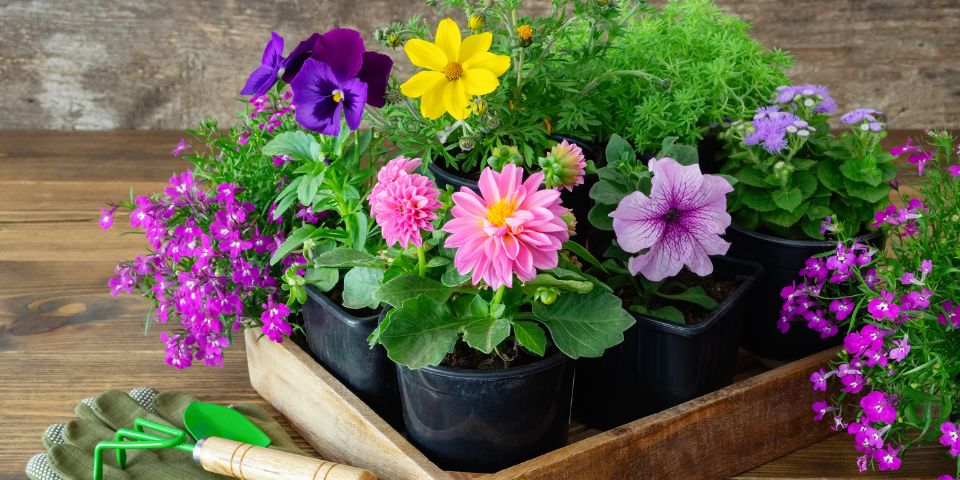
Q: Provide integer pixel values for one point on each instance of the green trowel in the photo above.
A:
(227, 443)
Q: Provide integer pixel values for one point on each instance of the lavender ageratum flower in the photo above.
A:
(264, 77)
(815, 96)
(867, 118)
(771, 127)
(679, 224)
(344, 51)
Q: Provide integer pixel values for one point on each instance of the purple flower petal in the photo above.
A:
(313, 90)
(263, 77)
(354, 98)
(342, 49)
(260, 81)
(293, 63)
(375, 72)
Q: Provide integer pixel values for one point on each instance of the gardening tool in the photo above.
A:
(227, 444)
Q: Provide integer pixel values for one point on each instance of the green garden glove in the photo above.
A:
(70, 447)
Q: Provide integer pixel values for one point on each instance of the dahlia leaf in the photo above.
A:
(585, 325)
(359, 286)
(408, 286)
(346, 258)
(531, 336)
(485, 334)
(420, 333)
(322, 279)
(546, 280)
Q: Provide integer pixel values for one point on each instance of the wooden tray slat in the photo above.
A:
(721, 434)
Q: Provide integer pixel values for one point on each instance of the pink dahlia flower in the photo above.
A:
(513, 228)
(679, 224)
(394, 169)
(564, 166)
(404, 206)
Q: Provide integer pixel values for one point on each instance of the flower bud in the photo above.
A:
(504, 155)
(571, 220)
(467, 143)
(546, 295)
(475, 22)
(564, 166)
(525, 34)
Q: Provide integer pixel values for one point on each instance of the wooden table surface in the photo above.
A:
(63, 337)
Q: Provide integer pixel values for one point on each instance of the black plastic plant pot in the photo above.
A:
(782, 259)
(338, 340)
(661, 364)
(445, 177)
(484, 421)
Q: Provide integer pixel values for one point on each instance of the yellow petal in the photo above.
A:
(418, 84)
(496, 64)
(479, 82)
(475, 45)
(425, 54)
(431, 104)
(455, 100)
(448, 38)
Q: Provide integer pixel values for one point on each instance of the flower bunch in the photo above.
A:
(206, 268)
(510, 80)
(897, 373)
(483, 268)
(793, 172)
(665, 215)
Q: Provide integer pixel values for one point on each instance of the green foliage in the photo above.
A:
(791, 192)
(680, 71)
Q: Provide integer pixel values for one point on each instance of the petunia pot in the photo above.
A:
(487, 420)
(338, 340)
(782, 259)
(661, 364)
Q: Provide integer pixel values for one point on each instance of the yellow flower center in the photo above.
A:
(337, 95)
(525, 32)
(453, 71)
(498, 212)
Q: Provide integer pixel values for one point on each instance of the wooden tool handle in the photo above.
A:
(248, 462)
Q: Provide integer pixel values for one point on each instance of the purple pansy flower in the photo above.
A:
(320, 97)
(262, 79)
(679, 224)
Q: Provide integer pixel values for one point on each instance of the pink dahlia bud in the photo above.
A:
(564, 166)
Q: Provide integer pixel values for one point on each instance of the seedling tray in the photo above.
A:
(761, 417)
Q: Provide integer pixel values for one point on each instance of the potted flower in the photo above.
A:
(486, 310)
(678, 71)
(893, 386)
(210, 234)
(665, 216)
(504, 88)
(328, 162)
(792, 174)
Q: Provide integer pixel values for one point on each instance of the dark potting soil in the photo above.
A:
(336, 296)
(465, 357)
(717, 288)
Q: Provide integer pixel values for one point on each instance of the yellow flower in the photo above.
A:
(456, 71)
(525, 32)
(475, 22)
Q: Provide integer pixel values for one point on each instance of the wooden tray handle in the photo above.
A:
(247, 462)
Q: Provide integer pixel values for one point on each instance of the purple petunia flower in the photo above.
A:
(262, 79)
(878, 407)
(679, 224)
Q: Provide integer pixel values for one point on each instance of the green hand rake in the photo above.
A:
(228, 444)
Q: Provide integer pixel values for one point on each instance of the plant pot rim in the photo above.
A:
(549, 361)
(720, 312)
(346, 316)
(788, 242)
(450, 177)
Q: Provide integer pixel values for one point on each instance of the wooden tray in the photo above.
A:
(749, 423)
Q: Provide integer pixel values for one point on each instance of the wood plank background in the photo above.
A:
(106, 64)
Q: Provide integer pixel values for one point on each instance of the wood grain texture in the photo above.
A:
(106, 64)
(63, 337)
(250, 462)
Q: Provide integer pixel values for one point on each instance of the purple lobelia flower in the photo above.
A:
(264, 77)
(878, 407)
(333, 73)
(901, 349)
(820, 409)
(180, 148)
(679, 224)
(951, 437)
(884, 306)
(106, 217)
(887, 458)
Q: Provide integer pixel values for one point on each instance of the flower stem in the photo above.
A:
(498, 296)
(421, 261)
